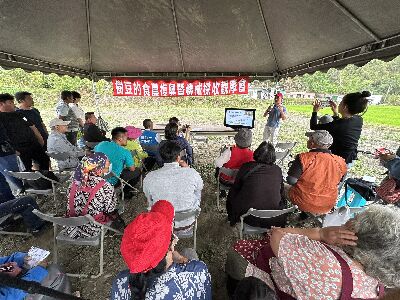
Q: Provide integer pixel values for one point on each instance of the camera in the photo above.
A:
(185, 127)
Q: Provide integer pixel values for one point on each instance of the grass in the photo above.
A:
(375, 115)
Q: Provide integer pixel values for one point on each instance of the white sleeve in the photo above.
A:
(147, 193)
(199, 188)
(223, 158)
(158, 138)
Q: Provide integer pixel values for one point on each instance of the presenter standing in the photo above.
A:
(275, 113)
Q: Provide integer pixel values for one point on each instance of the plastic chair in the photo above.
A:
(61, 237)
(221, 186)
(288, 146)
(60, 156)
(32, 176)
(280, 156)
(142, 168)
(263, 214)
(191, 231)
(4, 219)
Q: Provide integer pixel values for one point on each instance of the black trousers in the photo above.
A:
(37, 154)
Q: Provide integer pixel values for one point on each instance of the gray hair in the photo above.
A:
(378, 244)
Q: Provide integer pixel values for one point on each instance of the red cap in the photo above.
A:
(278, 95)
(147, 238)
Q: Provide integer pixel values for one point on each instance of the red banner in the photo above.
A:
(177, 88)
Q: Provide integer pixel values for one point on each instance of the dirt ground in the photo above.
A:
(215, 235)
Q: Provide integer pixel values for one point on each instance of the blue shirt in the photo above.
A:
(274, 116)
(118, 156)
(35, 274)
(149, 138)
(190, 281)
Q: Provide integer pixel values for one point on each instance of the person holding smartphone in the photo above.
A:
(17, 265)
(346, 126)
(274, 113)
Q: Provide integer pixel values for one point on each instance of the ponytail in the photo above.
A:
(357, 102)
(138, 282)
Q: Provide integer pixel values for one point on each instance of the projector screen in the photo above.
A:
(239, 118)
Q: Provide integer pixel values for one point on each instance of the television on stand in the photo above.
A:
(237, 118)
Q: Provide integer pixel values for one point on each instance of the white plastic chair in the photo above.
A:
(191, 231)
(221, 186)
(262, 214)
(32, 176)
(287, 150)
(61, 238)
(60, 156)
(280, 156)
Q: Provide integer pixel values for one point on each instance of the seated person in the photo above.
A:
(149, 137)
(389, 189)
(91, 132)
(22, 134)
(147, 248)
(314, 176)
(183, 131)
(175, 181)
(326, 263)
(121, 159)
(234, 157)
(150, 140)
(18, 266)
(133, 145)
(171, 134)
(250, 190)
(21, 206)
(58, 143)
(91, 194)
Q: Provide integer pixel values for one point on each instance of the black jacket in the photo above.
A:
(262, 189)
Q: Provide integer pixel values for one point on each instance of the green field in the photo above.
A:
(376, 115)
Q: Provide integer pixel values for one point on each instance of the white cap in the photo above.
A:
(57, 121)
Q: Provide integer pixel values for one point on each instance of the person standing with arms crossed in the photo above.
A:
(275, 113)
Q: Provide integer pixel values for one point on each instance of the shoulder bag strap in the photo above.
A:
(71, 201)
(93, 192)
(347, 277)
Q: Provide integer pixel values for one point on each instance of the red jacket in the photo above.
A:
(239, 156)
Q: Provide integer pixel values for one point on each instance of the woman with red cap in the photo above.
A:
(156, 270)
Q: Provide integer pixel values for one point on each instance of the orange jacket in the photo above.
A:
(316, 190)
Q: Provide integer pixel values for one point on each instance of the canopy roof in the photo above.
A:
(195, 38)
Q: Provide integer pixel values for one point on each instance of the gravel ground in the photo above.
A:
(215, 236)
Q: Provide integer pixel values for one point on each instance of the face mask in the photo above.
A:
(109, 170)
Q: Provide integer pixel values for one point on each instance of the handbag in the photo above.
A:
(338, 217)
(388, 191)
